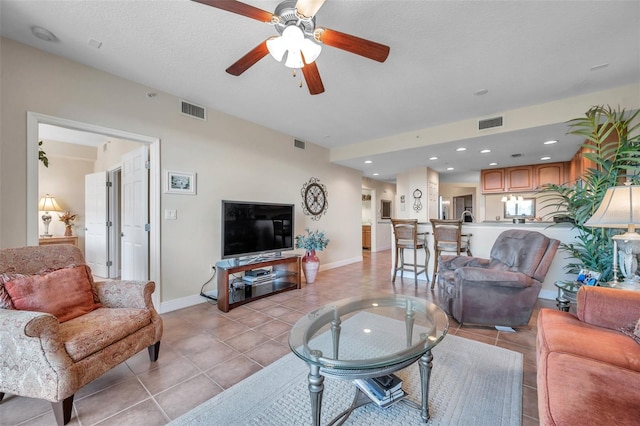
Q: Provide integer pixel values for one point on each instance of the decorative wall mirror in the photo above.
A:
(385, 209)
(524, 209)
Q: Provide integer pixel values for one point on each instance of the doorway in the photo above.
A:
(34, 120)
(461, 204)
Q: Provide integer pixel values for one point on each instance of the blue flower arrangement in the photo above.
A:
(313, 241)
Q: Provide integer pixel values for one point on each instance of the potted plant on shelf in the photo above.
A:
(613, 145)
(311, 242)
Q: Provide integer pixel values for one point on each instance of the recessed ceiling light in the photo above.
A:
(485, 151)
(481, 92)
(43, 34)
(376, 174)
(461, 149)
(368, 161)
(599, 66)
(545, 158)
(550, 142)
(433, 158)
(493, 164)
(449, 168)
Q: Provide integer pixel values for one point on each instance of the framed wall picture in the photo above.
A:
(180, 182)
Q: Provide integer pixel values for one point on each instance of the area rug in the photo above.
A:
(472, 383)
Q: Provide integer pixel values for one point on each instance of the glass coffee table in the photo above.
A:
(366, 337)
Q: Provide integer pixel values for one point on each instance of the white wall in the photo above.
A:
(233, 159)
(427, 181)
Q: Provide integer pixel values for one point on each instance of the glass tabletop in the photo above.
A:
(368, 332)
(569, 286)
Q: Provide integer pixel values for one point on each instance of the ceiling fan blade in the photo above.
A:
(359, 46)
(309, 8)
(248, 60)
(312, 77)
(240, 8)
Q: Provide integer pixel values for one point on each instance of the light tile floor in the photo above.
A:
(205, 351)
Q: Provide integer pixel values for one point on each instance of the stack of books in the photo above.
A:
(384, 391)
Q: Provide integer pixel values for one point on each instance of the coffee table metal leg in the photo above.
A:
(426, 364)
(316, 386)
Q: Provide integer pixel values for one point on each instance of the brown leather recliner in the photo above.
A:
(502, 290)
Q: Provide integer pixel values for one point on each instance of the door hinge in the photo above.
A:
(147, 165)
(109, 263)
(109, 223)
(109, 184)
(147, 227)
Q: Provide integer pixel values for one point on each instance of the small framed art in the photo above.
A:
(180, 182)
(586, 277)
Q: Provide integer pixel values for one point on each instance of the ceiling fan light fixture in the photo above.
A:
(293, 42)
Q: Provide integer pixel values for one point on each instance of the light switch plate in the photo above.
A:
(170, 214)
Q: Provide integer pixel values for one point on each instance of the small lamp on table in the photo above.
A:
(48, 204)
(620, 208)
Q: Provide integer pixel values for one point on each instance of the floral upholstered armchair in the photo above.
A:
(59, 330)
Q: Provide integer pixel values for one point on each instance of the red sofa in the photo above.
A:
(588, 370)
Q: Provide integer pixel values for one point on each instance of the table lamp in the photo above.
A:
(620, 208)
(48, 204)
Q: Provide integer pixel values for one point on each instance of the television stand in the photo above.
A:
(233, 292)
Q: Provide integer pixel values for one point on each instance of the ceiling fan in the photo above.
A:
(299, 38)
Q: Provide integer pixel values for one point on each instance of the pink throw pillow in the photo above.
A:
(64, 293)
(5, 299)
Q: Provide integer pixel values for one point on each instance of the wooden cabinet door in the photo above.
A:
(492, 180)
(552, 173)
(519, 178)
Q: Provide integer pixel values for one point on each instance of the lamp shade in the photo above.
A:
(620, 208)
(49, 204)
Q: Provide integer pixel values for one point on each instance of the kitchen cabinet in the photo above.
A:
(366, 237)
(525, 178)
(551, 173)
(492, 180)
(519, 178)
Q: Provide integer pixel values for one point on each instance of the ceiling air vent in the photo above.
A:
(490, 123)
(299, 144)
(193, 110)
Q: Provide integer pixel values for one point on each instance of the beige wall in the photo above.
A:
(233, 159)
(64, 180)
(427, 181)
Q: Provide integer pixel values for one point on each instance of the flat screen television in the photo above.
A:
(253, 228)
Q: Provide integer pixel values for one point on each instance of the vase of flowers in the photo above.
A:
(68, 219)
(312, 242)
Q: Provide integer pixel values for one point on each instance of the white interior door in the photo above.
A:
(95, 211)
(135, 215)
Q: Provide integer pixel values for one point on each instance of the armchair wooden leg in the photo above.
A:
(62, 410)
(154, 351)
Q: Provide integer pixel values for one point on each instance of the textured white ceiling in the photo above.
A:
(523, 52)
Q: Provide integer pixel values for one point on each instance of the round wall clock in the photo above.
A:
(314, 198)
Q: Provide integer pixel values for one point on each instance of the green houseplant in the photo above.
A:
(311, 242)
(614, 147)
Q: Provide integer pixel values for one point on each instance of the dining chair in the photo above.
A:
(407, 236)
(448, 237)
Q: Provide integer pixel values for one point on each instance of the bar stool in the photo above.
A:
(448, 237)
(407, 237)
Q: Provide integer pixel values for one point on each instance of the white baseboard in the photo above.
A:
(183, 302)
(332, 265)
